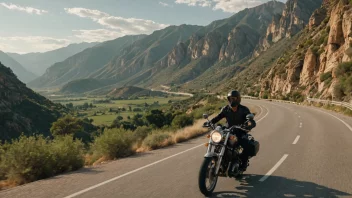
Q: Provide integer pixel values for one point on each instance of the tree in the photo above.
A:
(156, 117)
(69, 106)
(137, 120)
(119, 118)
(182, 120)
(90, 105)
(137, 110)
(66, 125)
(130, 108)
(85, 105)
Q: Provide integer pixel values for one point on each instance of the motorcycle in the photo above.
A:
(222, 156)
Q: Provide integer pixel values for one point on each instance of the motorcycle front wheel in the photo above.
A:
(207, 179)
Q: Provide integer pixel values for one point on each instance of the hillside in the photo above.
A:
(314, 67)
(23, 74)
(143, 54)
(39, 62)
(23, 110)
(131, 91)
(83, 64)
(82, 85)
(186, 59)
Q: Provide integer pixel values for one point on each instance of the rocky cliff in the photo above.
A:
(310, 69)
(294, 18)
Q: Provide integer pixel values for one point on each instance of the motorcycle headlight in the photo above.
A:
(216, 137)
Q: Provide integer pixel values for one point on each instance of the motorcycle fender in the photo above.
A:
(210, 155)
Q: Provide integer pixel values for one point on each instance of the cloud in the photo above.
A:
(224, 5)
(31, 43)
(235, 5)
(202, 3)
(123, 25)
(165, 4)
(29, 10)
(97, 35)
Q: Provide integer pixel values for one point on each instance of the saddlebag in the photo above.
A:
(253, 147)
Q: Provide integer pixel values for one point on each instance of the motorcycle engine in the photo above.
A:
(232, 140)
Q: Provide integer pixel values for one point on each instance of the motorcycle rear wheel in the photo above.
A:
(207, 175)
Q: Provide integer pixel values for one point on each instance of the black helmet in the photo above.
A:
(234, 98)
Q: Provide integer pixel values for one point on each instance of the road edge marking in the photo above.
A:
(272, 170)
(128, 173)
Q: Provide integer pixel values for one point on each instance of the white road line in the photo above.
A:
(264, 115)
(128, 173)
(300, 125)
(296, 140)
(271, 171)
(261, 110)
(347, 125)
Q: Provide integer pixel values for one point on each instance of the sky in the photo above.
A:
(44, 25)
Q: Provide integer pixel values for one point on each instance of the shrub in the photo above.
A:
(113, 143)
(142, 132)
(157, 140)
(181, 121)
(66, 125)
(67, 154)
(325, 76)
(344, 68)
(31, 158)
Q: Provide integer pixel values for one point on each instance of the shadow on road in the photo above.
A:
(278, 187)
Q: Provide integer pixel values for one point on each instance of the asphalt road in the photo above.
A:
(305, 152)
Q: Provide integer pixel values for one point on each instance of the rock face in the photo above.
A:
(294, 18)
(22, 110)
(324, 45)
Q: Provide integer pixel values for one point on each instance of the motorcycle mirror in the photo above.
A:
(250, 117)
(205, 116)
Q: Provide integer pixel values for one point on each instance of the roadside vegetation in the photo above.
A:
(76, 141)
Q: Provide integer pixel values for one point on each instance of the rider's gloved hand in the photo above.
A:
(250, 125)
(206, 124)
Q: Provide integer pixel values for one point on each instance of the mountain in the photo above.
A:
(131, 91)
(142, 55)
(81, 65)
(39, 62)
(282, 35)
(83, 85)
(23, 74)
(228, 40)
(23, 110)
(292, 20)
(321, 64)
(220, 46)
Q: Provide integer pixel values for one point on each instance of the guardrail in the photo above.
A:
(344, 104)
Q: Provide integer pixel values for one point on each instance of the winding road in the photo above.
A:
(305, 152)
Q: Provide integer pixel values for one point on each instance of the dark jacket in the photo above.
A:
(234, 118)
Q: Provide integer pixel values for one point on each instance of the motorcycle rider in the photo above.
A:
(235, 114)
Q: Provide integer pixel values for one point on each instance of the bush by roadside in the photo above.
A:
(112, 144)
(32, 158)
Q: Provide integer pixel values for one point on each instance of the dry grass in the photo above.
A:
(161, 139)
(190, 132)
(5, 184)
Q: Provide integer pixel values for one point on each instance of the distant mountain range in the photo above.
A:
(37, 63)
(274, 49)
(83, 64)
(22, 73)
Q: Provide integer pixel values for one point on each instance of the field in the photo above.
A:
(105, 113)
